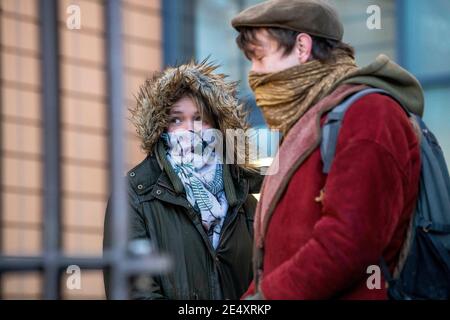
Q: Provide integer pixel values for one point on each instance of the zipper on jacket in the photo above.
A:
(196, 220)
(214, 276)
(211, 262)
(234, 216)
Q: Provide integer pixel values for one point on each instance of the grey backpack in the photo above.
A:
(426, 270)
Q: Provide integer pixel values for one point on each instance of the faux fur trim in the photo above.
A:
(156, 96)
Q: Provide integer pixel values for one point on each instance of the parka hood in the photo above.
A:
(155, 97)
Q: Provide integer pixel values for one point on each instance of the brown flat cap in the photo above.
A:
(315, 17)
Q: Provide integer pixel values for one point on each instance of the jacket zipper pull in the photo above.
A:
(320, 197)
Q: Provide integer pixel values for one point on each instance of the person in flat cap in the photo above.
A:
(343, 196)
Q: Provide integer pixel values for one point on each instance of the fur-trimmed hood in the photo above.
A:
(155, 97)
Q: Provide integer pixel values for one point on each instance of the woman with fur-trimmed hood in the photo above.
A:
(184, 197)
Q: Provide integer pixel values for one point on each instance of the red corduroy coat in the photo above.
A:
(321, 247)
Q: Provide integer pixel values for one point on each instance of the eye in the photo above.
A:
(175, 120)
(258, 57)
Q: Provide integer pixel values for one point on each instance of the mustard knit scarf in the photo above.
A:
(285, 96)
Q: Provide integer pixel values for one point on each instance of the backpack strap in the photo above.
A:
(333, 123)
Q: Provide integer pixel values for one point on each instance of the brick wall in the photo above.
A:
(83, 133)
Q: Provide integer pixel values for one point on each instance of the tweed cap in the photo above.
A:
(314, 17)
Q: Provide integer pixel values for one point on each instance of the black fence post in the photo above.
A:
(1, 162)
(50, 81)
(114, 74)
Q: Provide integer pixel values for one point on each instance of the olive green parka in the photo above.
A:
(160, 212)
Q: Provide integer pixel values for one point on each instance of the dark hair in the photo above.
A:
(323, 49)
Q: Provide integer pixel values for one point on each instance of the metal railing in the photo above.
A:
(52, 262)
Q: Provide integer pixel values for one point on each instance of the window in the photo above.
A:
(424, 50)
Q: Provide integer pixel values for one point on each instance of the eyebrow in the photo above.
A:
(175, 112)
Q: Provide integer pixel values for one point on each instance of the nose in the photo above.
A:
(189, 125)
(193, 125)
(257, 67)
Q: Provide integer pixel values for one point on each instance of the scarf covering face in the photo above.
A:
(285, 96)
(194, 159)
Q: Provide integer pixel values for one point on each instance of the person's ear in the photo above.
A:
(304, 45)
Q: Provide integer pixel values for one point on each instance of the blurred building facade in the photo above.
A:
(156, 33)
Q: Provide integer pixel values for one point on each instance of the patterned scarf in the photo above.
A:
(198, 164)
(285, 96)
